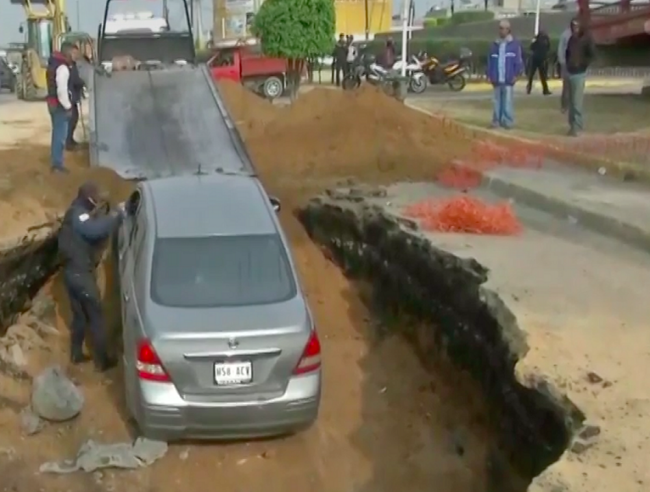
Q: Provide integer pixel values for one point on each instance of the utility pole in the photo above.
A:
(367, 14)
(199, 24)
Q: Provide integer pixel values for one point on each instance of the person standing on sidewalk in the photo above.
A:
(505, 63)
(58, 102)
(580, 53)
(561, 59)
(539, 49)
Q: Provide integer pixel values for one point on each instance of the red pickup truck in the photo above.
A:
(248, 66)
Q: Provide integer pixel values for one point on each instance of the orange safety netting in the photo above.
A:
(485, 156)
(465, 214)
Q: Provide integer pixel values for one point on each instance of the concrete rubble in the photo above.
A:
(55, 397)
(93, 456)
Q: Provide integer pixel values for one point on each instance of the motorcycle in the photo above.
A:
(367, 68)
(418, 81)
(452, 73)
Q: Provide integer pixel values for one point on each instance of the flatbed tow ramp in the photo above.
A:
(163, 118)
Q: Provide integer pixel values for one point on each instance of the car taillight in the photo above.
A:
(148, 363)
(310, 360)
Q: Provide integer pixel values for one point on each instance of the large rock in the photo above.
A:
(55, 397)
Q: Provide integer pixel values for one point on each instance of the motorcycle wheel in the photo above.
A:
(351, 83)
(418, 85)
(457, 83)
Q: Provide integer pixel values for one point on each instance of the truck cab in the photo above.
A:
(247, 65)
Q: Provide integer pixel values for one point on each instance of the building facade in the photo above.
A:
(232, 18)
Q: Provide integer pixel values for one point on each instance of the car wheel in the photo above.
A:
(272, 88)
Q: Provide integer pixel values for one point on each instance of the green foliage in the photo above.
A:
(471, 16)
(435, 21)
(296, 29)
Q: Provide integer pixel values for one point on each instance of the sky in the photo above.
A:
(85, 15)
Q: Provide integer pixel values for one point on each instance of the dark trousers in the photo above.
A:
(541, 67)
(86, 307)
(338, 73)
(72, 125)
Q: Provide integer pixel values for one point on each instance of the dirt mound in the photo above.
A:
(32, 195)
(364, 134)
(249, 110)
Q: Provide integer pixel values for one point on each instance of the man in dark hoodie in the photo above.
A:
(580, 53)
(76, 90)
(83, 233)
(339, 59)
(539, 49)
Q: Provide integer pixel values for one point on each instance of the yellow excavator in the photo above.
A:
(45, 28)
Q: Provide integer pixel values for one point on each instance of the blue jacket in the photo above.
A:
(505, 62)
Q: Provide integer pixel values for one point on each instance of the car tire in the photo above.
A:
(272, 88)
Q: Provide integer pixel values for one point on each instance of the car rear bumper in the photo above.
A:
(163, 414)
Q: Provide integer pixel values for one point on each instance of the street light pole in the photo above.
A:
(405, 29)
(365, 6)
(538, 8)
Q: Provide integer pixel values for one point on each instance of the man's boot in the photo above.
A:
(72, 146)
(78, 357)
(105, 362)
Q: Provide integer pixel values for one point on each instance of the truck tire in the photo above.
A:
(272, 88)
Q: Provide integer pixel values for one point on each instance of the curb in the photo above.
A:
(557, 84)
(563, 209)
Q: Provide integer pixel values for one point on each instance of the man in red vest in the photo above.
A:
(58, 101)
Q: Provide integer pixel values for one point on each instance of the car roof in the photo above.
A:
(210, 205)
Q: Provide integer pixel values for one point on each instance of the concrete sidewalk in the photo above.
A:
(614, 209)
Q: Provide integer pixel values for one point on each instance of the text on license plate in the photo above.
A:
(227, 373)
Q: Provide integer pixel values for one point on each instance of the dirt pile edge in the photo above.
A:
(25, 266)
(460, 319)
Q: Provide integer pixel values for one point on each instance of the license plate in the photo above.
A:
(229, 373)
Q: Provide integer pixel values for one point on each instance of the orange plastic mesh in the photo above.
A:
(465, 214)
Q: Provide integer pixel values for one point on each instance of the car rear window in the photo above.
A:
(221, 271)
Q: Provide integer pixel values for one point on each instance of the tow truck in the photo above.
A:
(243, 62)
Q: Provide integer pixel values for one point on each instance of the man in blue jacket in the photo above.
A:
(83, 232)
(504, 65)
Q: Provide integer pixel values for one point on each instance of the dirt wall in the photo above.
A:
(458, 319)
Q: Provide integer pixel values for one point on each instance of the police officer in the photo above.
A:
(83, 232)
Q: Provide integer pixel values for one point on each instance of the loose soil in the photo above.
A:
(386, 424)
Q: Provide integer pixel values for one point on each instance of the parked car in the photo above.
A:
(219, 342)
(7, 76)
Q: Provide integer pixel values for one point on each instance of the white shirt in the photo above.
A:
(352, 53)
(62, 89)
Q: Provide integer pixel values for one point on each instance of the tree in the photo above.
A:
(297, 30)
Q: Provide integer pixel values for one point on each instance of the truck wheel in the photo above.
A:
(272, 88)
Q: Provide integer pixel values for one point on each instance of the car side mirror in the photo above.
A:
(275, 203)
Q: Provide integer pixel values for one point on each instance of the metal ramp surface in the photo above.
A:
(156, 123)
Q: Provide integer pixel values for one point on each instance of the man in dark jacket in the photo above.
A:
(580, 53)
(83, 234)
(389, 56)
(539, 50)
(76, 90)
(339, 59)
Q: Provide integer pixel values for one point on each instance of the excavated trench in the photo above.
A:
(459, 320)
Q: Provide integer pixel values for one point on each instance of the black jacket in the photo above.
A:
(341, 53)
(540, 47)
(76, 84)
(82, 234)
(580, 52)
